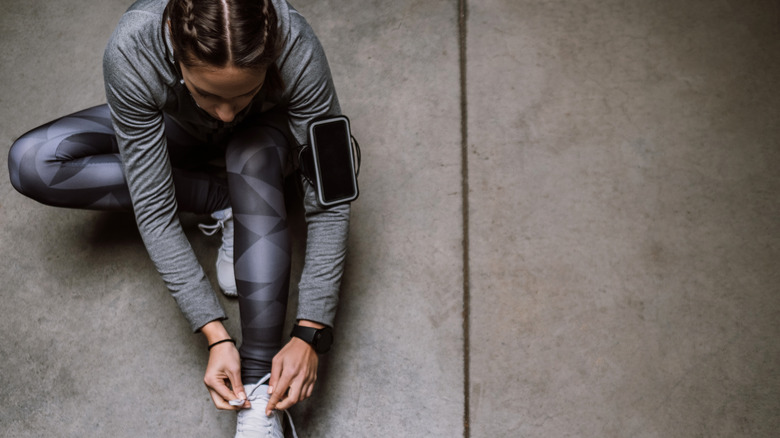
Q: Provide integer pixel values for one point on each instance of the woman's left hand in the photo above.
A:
(293, 373)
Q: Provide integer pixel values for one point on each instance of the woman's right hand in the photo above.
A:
(223, 369)
(223, 372)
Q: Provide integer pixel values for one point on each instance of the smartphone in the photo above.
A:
(334, 161)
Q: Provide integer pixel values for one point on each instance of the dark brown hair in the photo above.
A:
(220, 33)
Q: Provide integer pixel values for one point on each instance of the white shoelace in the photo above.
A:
(284, 413)
(227, 231)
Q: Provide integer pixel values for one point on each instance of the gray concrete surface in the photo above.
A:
(625, 242)
(622, 231)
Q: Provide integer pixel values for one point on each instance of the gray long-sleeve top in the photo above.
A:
(142, 82)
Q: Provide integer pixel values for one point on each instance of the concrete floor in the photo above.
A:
(621, 230)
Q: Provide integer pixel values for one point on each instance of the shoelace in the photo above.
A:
(284, 413)
(227, 231)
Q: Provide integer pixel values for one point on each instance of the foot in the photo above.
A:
(226, 276)
(253, 422)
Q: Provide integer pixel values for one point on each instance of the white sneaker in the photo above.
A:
(226, 277)
(253, 423)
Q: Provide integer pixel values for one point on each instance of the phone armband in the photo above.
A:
(332, 160)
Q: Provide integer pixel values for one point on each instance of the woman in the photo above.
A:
(188, 83)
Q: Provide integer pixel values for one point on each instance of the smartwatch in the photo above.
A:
(319, 339)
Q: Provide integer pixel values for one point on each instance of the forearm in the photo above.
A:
(214, 331)
(326, 249)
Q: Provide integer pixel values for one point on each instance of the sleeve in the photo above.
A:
(140, 132)
(307, 74)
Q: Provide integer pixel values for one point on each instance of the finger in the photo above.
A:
(304, 391)
(309, 391)
(276, 373)
(277, 393)
(240, 392)
(273, 400)
(237, 385)
(219, 402)
(285, 403)
(293, 396)
(309, 386)
(218, 387)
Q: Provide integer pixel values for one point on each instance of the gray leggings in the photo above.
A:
(74, 162)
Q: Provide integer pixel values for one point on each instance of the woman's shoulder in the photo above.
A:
(292, 24)
(296, 37)
(136, 55)
(140, 27)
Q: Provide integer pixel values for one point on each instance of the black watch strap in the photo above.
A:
(319, 339)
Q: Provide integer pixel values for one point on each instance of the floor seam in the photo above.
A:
(462, 10)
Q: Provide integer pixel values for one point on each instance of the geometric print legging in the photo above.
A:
(74, 162)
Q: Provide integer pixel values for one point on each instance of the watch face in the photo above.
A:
(323, 340)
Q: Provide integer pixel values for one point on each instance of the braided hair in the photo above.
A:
(220, 33)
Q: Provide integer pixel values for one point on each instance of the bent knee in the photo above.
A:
(28, 167)
(21, 162)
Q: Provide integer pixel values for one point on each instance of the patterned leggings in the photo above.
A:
(74, 162)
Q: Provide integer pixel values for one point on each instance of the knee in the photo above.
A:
(21, 162)
(257, 152)
(30, 169)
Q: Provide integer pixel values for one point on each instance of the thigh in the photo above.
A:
(259, 151)
(74, 161)
(90, 133)
(71, 161)
(81, 134)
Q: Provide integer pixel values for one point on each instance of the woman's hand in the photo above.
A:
(223, 372)
(293, 373)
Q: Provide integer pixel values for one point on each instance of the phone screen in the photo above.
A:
(333, 150)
